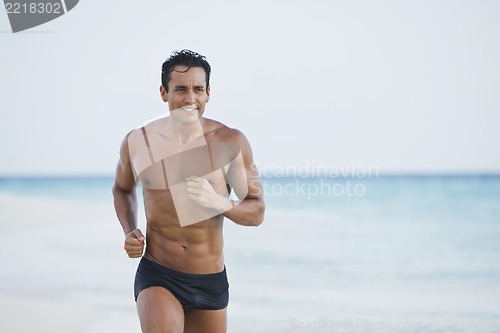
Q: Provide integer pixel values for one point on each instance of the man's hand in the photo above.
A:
(134, 243)
(201, 191)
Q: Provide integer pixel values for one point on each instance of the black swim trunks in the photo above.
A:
(194, 291)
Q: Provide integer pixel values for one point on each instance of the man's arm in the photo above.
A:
(249, 210)
(244, 179)
(125, 200)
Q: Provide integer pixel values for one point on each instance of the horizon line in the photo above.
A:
(379, 175)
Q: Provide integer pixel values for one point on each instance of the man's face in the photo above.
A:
(187, 94)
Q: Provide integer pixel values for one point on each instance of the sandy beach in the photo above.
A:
(55, 254)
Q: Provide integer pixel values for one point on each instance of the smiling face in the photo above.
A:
(187, 94)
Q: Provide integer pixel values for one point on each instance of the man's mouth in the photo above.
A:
(189, 108)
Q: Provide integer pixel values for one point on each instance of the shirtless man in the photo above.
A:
(188, 165)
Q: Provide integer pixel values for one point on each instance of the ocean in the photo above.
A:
(345, 254)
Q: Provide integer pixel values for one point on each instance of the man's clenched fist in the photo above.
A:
(134, 243)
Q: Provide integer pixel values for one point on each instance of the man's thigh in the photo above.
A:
(206, 321)
(159, 311)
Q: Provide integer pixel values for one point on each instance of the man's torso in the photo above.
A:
(162, 164)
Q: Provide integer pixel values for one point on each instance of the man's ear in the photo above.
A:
(208, 94)
(163, 94)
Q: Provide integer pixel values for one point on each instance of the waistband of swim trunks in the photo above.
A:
(151, 264)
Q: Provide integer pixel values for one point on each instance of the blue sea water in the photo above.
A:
(387, 253)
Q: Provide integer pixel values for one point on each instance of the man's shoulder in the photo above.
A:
(222, 132)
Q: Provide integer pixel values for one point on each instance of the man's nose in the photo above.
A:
(190, 97)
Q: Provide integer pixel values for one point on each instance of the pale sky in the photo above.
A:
(406, 86)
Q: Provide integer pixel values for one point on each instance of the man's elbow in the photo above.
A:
(259, 215)
(117, 190)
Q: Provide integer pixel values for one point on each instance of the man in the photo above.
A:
(188, 165)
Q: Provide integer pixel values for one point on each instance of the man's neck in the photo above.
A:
(186, 133)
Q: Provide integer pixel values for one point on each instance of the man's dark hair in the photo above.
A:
(186, 58)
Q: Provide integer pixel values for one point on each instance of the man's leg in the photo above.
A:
(159, 311)
(206, 321)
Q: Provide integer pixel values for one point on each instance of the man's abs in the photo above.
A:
(201, 255)
(195, 249)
